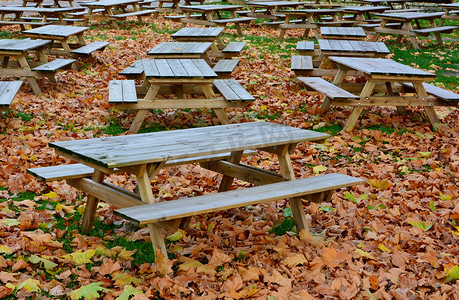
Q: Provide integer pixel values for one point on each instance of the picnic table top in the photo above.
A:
(342, 31)
(380, 66)
(39, 9)
(353, 46)
(12, 45)
(105, 3)
(177, 68)
(364, 8)
(314, 11)
(406, 16)
(450, 5)
(274, 3)
(138, 149)
(55, 31)
(379, 1)
(180, 48)
(196, 32)
(210, 7)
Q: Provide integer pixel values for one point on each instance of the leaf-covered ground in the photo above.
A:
(395, 237)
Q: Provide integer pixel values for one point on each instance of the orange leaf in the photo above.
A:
(294, 260)
(108, 267)
(219, 258)
(331, 257)
(162, 263)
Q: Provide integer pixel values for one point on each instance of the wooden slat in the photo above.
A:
(329, 89)
(185, 207)
(88, 49)
(8, 90)
(301, 63)
(225, 65)
(436, 91)
(305, 46)
(54, 65)
(234, 47)
(136, 68)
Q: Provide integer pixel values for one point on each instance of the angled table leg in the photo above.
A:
(91, 205)
(430, 111)
(356, 110)
(219, 112)
(32, 80)
(142, 113)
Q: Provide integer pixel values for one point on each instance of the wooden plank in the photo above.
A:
(329, 89)
(8, 91)
(204, 68)
(88, 49)
(225, 65)
(305, 46)
(184, 207)
(302, 63)
(135, 68)
(54, 65)
(436, 91)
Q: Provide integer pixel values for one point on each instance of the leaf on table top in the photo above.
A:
(294, 260)
(30, 285)
(88, 292)
(128, 291)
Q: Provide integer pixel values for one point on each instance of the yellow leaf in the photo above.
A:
(58, 207)
(318, 169)
(383, 248)
(10, 222)
(425, 154)
(80, 258)
(31, 285)
(294, 260)
(176, 236)
(126, 254)
(404, 169)
(125, 278)
(5, 249)
(51, 195)
(380, 184)
(364, 253)
(188, 264)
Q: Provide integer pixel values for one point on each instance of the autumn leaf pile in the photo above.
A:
(393, 238)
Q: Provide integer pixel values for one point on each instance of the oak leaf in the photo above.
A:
(108, 267)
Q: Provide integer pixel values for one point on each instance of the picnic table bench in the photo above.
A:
(342, 33)
(383, 73)
(144, 155)
(178, 77)
(212, 15)
(268, 9)
(61, 34)
(391, 3)
(22, 67)
(39, 3)
(8, 91)
(406, 28)
(451, 13)
(114, 10)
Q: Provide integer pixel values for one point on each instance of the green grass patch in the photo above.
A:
(332, 129)
(144, 250)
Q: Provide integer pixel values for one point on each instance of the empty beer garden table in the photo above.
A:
(181, 50)
(20, 50)
(60, 34)
(270, 9)
(451, 12)
(47, 13)
(406, 28)
(363, 14)
(389, 73)
(144, 155)
(197, 34)
(185, 77)
(213, 15)
(388, 2)
(342, 33)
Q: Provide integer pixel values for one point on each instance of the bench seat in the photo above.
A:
(135, 13)
(435, 91)
(305, 46)
(134, 70)
(302, 65)
(23, 23)
(178, 18)
(75, 171)
(234, 20)
(122, 91)
(65, 20)
(88, 49)
(234, 47)
(187, 207)
(55, 65)
(328, 89)
(225, 67)
(8, 91)
(232, 90)
(441, 29)
(277, 23)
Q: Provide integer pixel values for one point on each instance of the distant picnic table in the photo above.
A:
(39, 3)
(451, 12)
(390, 3)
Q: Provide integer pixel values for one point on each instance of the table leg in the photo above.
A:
(219, 112)
(296, 204)
(87, 17)
(377, 34)
(227, 181)
(314, 27)
(81, 40)
(32, 80)
(413, 39)
(5, 61)
(401, 109)
(437, 34)
(430, 111)
(142, 113)
(283, 30)
(91, 205)
(356, 110)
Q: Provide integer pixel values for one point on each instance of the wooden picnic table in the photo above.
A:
(182, 50)
(363, 14)
(316, 55)
(197, 34)
(270, 9)
(342, 33)
(213, 15)
(114, 10)
(187, 77)
(48, 14)
(173, 5)
(60, 34)
(389, 73)
(144, 155)
(306, 19)
(20, 50)
(390, 3)
(451, 12)
(39, 3)
(406, 28)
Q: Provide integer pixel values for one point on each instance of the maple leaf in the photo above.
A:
(352, 198)
(364, 253)
(30, 285)
(5, 291)
(6, 277)
(318, 169)
(126, 254)
(224, 273)
(49, 265)
(89, 292)
(252, 273)
(176, 236)
(331, 257)
(109, 266)
(294, 260)
(10, 222)
(380, 184)
(306, 236)
(125, 278)
(79, 257)
(162, 263)
(453, 273)
(5, 249)
(219, 258)
(191, 264)
(128, 291)
(421, 225)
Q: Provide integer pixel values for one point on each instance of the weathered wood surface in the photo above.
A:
(364, 9)
(54, 65)
(54, 30)
(122, 91)
(135, 13)
(181, 48)
(211, 7)
(197, 33)
(353, 46)
(404, 16)
(342, 32)
(177, 68)
(436, 91)
(380, 66)
(301, 63)
(232, 90)
(90, 48)
(234, 47)
(131, 150)
(185, 207)
(329, 89)
(8, 90)
(10, 45)
(225, 66)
